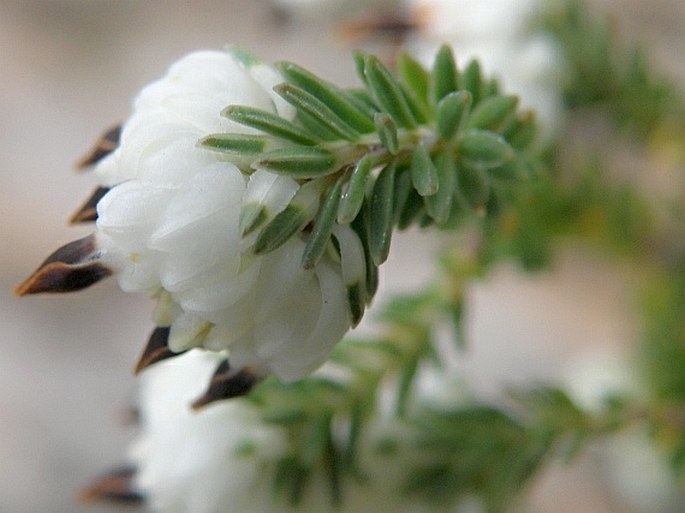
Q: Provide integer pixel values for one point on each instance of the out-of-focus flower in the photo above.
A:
(638, 473)
(173, 224)
(200, 461)
(221, 458)
(500, 34)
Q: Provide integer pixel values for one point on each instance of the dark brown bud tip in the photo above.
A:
(227, 383)
(115, 486)
(105, 145)
(72, 267)
(156, 350)
(88, 212)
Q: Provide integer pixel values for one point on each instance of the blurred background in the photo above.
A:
(70, 69)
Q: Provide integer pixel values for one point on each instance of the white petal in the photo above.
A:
(187, 331)
(213, 192)
(218, 291)
(281, 271)
(270, 190)
(291, 321)
(141, 275)
(296, 360)
(175, 160)
(352, 259)
(129, 212)
(204, 113)
(268, 78)
(237, 333)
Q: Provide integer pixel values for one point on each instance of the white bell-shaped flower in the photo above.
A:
(222, 457)
(171, 225)
(199, 461)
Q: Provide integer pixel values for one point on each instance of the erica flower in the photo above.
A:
(177, 221)
(223, 458)
(255, 203)
(199, 461)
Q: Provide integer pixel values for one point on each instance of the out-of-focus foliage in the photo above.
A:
(491, 451)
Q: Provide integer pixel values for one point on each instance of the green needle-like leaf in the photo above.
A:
(451, 113)
(387, 92)
(403, 188)
(387, 132)
(284, 416)
(354, 191)
(244, 57)
(362, 225)
(270, 123)
(523, 131)
(357, 417)
(337, 99)
(313, 125)
(414, 76)
(472, 80)
(439, 204)
(356, 302)
(493, 113)
(406, 380)
(297, 161)
(424, 176)
(241, 144)
(412, 209)
(419, 110)
(444, 75)
(473, 186)
(306, 102)
(484, 150)
(252, 215)
(380, 231)
(360, 64)
(363, 100)
(286, 224)
(323, 225)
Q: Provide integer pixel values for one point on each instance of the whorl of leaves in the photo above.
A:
(427, 147)
(433, 147)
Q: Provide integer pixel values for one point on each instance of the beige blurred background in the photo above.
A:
(69, 69)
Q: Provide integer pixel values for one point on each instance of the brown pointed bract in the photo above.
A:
(114, 486)
(88, 212)
(105, 145)
(227, 383)
(72, 267)
(156, 349)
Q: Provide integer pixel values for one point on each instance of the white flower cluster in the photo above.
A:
(500, 35)
(170, 225)
(220, 458)
(177, 230)
(202, 461)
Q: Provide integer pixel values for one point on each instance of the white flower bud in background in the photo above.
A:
(221, 458)
(499, 33)
(170, 225)
(199, 461)
(638, 473)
